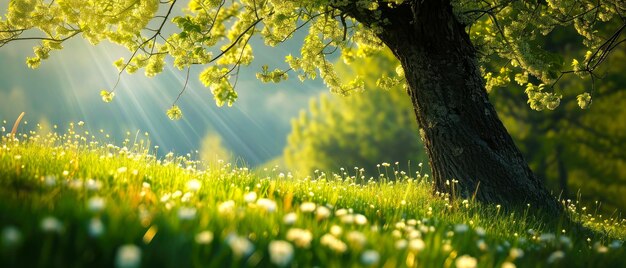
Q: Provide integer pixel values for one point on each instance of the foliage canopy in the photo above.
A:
(216, 33)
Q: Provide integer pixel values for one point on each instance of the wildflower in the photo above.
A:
(333, 243)
(11, 236)
(307, 207)
(356, 239)
(194, 185)
(461, 228)
(466, 261)
(300, 237)
(122, 170)
(96, 204)
(336, 230)
(480, 231)
(241, 246)
(360, 219)
(401, 244)
(186, 213)
(50, 180)
(268, 204)
(516, 253)
(322, 213)
(96, 228)
(128, 256)
(51, 225)
(174, 113)
(555, 256)
(281, 252)
(370, 257)
(347, 219)
(93, 185)
(416, 245)
(508, 264)
(481, 245)
(81, 123)
(250, 197)
(290, 218)
(204, 237)
(227, 207)
(106, 95)
(341, 212)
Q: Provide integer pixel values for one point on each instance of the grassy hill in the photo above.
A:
(75, 200)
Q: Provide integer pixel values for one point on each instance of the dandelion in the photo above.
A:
(336, 230)
(555, 257)
(204, 237)
(96, 227)
(356, 239)
(267, 204)
(186, 213)
(370, 257)
(227, 207)
(322, 213)
(96, 204)
(51, 225)
(333, 243)
(250, 197)
(11, 236)
(241, 246)
(307, 207)
(128, 256)
(174, 113)
(194, 185)
(290, 218)
(300, 237)
(281, 252)
(466, 261)
(416, 245)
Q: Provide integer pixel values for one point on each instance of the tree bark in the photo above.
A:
(464, 138)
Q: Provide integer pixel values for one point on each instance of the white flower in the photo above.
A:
(75, 184)
(227, 207)
(461, 228)
(307, 207)
(300, 237)
(128, 256)
(416, 245)
(336, 230)
(356, 239)
(96, 228)
(466, 261)
(322, 213)
(333, 243)
(50, 180)
(290, 218)
(93, 185)
(555, 256)
(347, 219)
(370, 257)
(516, 253)
(480, 231)
(204, 237)
(401, 244)
(96, 204)
(250, 197)
(341, 212)
(194, 185)
(281, 252)
(122, 170)
(186, 213)
(11, 236)
(241, 246)
(51, 225)
(508, 264)
(360, 219)
(268, 204)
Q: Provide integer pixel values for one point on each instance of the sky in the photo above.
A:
(66, 87)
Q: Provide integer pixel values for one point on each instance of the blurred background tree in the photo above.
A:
(361, 130)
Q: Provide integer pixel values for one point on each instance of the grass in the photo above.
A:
(73, 200)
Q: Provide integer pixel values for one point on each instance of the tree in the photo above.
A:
(439, 44)
(363, 130)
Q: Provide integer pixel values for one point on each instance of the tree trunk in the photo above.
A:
(464, 138)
